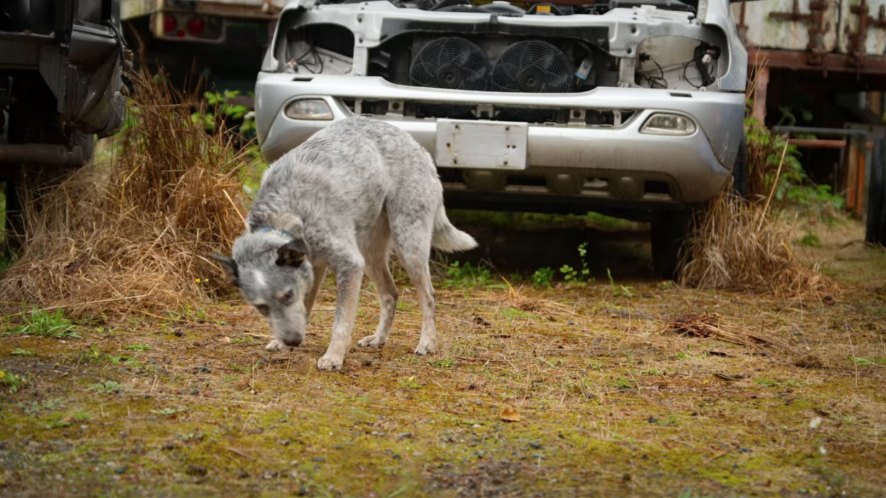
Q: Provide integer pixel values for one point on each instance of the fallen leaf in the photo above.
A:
(226, 340)
(509, 414)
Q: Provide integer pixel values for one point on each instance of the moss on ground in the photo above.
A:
(608, 402)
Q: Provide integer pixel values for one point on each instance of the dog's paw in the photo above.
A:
(276, 345)
(372, 341)
(327, 362)
(425, 347)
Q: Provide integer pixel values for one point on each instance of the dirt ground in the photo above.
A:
(560, 390)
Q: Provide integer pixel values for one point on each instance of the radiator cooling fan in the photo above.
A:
(533, 66)
(451, 62)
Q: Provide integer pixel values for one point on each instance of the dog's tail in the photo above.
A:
(446, 237)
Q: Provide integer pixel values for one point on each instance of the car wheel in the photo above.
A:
(667, 234)
(740, 170)
(875, 225)
(14, 223)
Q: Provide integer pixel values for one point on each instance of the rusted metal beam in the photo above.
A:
(817, 143)
(761, 83)
(838, 63)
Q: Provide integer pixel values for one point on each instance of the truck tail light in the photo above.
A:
(196, 25)
(169, 23)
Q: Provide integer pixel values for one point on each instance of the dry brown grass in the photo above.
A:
(745, 244)
(741, 245)
(135, 234)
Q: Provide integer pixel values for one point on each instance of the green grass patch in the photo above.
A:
(11, 382)
(44, 324)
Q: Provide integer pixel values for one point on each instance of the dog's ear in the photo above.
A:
(230, 267)
(292, 253)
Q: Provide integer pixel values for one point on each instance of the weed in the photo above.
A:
(582, 274)
(466, 275)
(794, 187)
(124, 360)
(866, 362)
(243, 340)
(91, 355)
(669, 421)
(192, 437)
(46, 405)
(409, 383)
(169, 412)
(618, 290)
(220, 109)
(59, 421)
(106, 387)
(22, 352)
(809, 240)
(44, 324)
(569, 273)
(444, 363)
(624, 384)
(511, 313)
(543, 277)
(767, 382)
(137, 347)
(11, 381)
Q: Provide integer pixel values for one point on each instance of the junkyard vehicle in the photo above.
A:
(61, 68)
(220, 40)
(632, 108)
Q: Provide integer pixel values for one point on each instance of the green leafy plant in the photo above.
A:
(466, 275)
(106, 387)
(11, 381)
(543, 277)
(169, 411)
(581, 274)
(219, 107)
(775, 162)
(22, 352)
(809, 240)
(45, 324)
(409, 383)
(618, 290)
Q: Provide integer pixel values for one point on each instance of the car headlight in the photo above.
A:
(309, 109)
(664, 123)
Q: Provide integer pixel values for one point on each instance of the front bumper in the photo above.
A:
(592, 162)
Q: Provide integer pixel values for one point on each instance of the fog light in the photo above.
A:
(668, 124)
(309, 109)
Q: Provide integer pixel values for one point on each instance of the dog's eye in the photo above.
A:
(286, 298)
(264, 309)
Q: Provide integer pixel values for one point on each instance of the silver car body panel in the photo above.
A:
(580, 156)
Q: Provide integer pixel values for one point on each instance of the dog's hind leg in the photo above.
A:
(348, 277)
(377, 255)
(412, 240)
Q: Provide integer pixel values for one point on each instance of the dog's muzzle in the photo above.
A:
(292, 342)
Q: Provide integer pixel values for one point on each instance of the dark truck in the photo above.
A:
(61, 70)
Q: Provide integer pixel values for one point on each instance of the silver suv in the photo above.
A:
(629, 107)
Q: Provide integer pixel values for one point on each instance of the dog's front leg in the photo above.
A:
(348, 282)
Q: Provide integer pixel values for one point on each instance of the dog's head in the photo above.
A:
(270, 268)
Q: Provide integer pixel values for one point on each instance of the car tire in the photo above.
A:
(740, 170)
(668, 232)
(14, 223)
(875, 225)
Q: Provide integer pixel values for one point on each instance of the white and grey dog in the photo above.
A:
(340, 200)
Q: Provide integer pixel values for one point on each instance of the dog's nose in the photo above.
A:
(294, 342)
